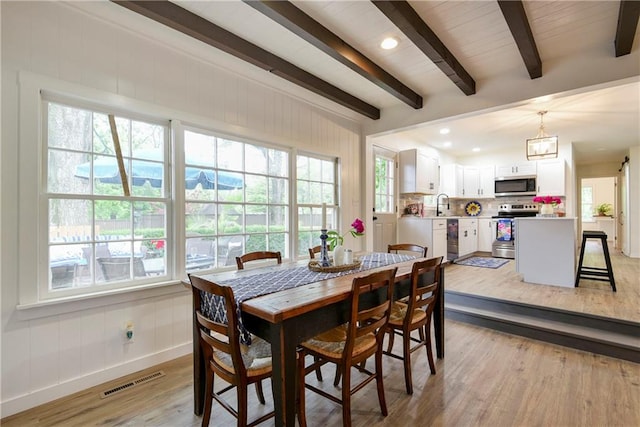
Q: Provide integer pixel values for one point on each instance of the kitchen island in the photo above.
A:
(546, 250)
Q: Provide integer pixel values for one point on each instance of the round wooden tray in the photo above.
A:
(314, 265)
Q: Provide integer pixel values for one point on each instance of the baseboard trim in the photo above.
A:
(56, 391)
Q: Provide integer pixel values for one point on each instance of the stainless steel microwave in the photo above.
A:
(514, 186)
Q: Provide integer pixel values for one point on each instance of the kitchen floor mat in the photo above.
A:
(486, 262)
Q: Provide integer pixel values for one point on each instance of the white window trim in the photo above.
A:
(31, 206)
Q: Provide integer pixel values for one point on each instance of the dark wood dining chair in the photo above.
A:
(220, 345)
(254, 256)
(409, 247)
(415, 314)
(352, 343)
(314, 250)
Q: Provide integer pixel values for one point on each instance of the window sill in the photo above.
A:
(58, 306)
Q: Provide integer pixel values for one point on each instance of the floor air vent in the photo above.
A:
(132, 383)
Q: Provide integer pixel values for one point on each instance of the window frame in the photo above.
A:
(289, 231)
(46, 292)
(32, 208)
(333, 220)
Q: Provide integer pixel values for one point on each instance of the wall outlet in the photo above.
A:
(128, 332)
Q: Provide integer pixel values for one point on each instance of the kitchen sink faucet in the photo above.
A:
(438, 203)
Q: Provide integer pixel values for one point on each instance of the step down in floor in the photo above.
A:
(596, 334)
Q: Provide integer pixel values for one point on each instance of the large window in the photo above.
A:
(107, 199)
(237, 200)
(125, 206)
(316, 183)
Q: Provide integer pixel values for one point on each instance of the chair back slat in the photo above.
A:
(370, 319)
(228, 340)
(425, 279)
(314, 250)
(258, 255)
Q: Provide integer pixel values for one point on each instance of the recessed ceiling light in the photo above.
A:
(447, 144)
(476, 149)
(444, 131)
(389, 43)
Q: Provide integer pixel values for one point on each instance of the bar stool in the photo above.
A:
(596, 273)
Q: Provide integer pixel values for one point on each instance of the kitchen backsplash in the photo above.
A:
(426, 206)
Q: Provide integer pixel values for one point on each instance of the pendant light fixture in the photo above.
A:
(542, 146)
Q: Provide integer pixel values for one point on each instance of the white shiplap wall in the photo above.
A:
(48, 357)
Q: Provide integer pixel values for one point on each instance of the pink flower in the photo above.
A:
(548, 200)
(357, 229)
(358, 226)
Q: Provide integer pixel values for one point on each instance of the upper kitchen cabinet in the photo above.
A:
(516, 169)
(419, 173)
(451, 180)
(478, 182)
(551, 178)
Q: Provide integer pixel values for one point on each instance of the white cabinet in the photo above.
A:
(487, 181)
(467, 181)
(516, 169)
(478, 182)
(471, 181)
(546, 250)
(451, 180)
(486, 234)
(419, 173)
(439, 241)
(467, 236)
(551, 178)
(431, 233)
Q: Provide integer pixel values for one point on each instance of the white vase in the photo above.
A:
(546, 209)
(338, 255)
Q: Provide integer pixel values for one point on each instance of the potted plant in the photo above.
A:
(604, 209)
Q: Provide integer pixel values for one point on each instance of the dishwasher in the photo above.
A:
(452, 239)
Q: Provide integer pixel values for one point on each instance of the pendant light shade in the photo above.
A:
(542, 146)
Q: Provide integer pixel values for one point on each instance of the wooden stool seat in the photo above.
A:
(596, 273)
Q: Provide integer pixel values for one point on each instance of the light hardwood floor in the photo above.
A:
(487, 378)
(592, 296)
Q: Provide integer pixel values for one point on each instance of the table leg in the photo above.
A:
(198, 371)
(283, 381)
(438, 314)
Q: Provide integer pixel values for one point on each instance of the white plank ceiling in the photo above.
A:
(476, 34)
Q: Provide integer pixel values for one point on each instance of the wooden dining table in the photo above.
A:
(289, 317)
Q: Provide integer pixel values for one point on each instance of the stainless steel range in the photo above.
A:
(504, 242)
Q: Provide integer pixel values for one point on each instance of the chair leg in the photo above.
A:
(302, 418)
(242, 405)
(392, 334)
(259, 392)
(406, 359)
(346, 396)
(432, 365)
(208, 397)
(318, 371)
(379, 382)
(336, 377)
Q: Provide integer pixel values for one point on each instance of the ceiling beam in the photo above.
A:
(516, 18)
(304, 26)
(627, 24)
(186, 22)
(410, 23)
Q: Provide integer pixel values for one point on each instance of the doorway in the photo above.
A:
(385, 216)
(599, 207)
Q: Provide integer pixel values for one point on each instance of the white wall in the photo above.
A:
(45, 356)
